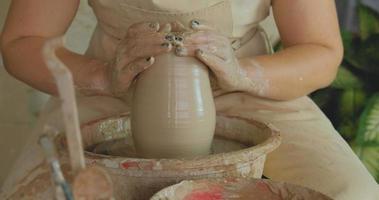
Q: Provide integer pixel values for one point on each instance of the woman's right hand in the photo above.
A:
(135, 53)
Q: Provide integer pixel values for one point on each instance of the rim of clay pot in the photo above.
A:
(221, 160)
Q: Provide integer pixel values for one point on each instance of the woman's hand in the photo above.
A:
(215, 50)
(135, 54)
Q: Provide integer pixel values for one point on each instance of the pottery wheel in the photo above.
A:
(124, 147)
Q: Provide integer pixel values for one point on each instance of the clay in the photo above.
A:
(173, 112)
(124, 147)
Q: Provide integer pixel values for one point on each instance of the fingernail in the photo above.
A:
(178, 50)
(181, 51)
(178, 41)
(166, 28)
(178, 38)
(200, 52)
(179, 44)
(166, 45)
(145, 67)
(169, 37)
(154, 25)
(195, 23)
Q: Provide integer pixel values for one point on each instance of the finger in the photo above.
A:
(178, 27)
(147, 40)
(170, 37)
(143, 27)
(166, 28)
(204, 37)
(197, 24)
(128, 54)
(163, 35)
(139, 65)
(123, 78)
(175, 38)
(178, 40)
(214, 63)
(218, 50)
(154, 50)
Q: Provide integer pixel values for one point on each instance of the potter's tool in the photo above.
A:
(66, 90)
(51, 158)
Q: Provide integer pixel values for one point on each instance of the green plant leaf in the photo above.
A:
(369, 122)
(347, 129)
(367, 54)
(322, 97)
(347, 40)
(350, 42)
(351, 103)
(366, 144)
(368, 21)
(370, 158)
(345, 79)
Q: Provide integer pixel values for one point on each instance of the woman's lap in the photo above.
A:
(312, 152)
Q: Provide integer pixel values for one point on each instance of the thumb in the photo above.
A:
(213, 62)
(201, 25)
(121, 80)
(139, 65)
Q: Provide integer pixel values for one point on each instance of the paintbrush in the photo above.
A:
(65, 84)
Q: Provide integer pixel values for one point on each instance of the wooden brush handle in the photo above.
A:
(65, 84)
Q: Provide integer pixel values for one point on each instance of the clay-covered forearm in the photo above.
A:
(135, 53)
(313, 50)
(24, 60)
(293, 72)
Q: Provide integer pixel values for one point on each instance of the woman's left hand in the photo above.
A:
(215, 51)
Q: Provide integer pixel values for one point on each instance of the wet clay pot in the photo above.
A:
(173, 112)
(239, 150)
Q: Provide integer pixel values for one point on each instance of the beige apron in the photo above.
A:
(312, 153)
